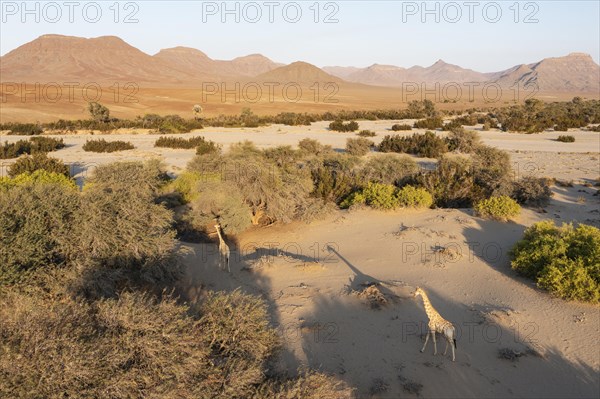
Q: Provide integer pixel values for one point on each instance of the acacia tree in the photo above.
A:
(197, 109)
(99, 112)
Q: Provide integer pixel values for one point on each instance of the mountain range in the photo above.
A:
(57, 58)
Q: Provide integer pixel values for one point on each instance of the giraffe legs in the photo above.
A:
(446, 350)
(434, 343)
(426, 339)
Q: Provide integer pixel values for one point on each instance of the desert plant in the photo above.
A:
(498, 208)
(398, 127)
(429, 123)
(388, 169)
(340, 126)
(359, 146)
(177, 142)
(375, 195)
(222, 201)
(426, 145)
(313, 147)
(451, 184)
(492, 171)
(414, 197)
(563, 260)
(38, 176)
(566, 139)
(99, 112)
(101, 145)
(366, 133)
(531, 190)
(25, 129)
(462, 140)
(36, 222)
(33, 145)
(134, 342)
(31, 163)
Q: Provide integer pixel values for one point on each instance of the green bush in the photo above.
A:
(563, 260)
(208, 147)
(102, 145)
(37, 161)
(426, 145)
(398, 127)
(340, 126)
(366, 133)
(38, 176)
(566, 139)
(375, 195)
(414, 197)
(498, 208)
(429, 123)
(359, 146)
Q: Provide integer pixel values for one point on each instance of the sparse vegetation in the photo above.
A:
(101, 145)
(563, 260)
(194, 142)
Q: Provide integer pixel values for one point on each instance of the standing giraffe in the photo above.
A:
(437, 324)
(223, 250)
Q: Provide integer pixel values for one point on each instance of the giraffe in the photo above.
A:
(437, 324)
(223, 250)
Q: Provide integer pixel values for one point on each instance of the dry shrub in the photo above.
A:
(36, 222)
(133, 346)
(102, 145)
(359, 146)
(388, 168)
(309, 385)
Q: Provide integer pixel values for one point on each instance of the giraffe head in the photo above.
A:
(418, 291)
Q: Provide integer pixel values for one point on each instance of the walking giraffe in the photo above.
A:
(437, 324)
(223, 250)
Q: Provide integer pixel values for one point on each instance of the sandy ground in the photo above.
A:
(310, 275)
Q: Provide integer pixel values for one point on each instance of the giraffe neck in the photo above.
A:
(429, 309)
(221, 241)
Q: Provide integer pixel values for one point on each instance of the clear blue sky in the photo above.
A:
(366, 32)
